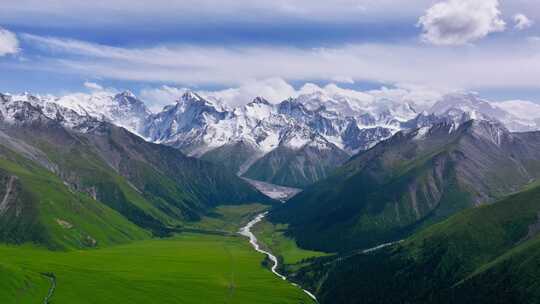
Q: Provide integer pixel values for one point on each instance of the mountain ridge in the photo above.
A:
(259, 135)
(413, 179)
(137, 185)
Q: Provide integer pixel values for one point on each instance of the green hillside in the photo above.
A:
(104, 186)
(408, 182)
(511, 278)
(38, 207)
(482, 255)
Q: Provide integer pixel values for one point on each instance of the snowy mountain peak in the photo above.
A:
(129, 100)
(191, 96)
(4, 97)
(315, 125)
(260, 100)
(191, 99)
(458, 103)
(126, 94)
(294, 108)
(27, 108)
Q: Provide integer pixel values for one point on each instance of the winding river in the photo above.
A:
(246, 231)
(282, 194)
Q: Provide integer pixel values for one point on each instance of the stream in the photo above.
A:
(246, 231)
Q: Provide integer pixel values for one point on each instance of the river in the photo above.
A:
(282, 194)
(246, 231)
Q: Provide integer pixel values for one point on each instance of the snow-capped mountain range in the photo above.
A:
(294, 142)
(197, 126)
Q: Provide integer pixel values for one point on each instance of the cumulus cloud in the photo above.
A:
(93, 86)
(457, 22)
(9, 44)
(522, 22)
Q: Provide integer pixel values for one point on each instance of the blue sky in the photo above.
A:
(488, 46)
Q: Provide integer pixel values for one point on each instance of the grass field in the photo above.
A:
(272, 236)
(21, 286)
(189, 268)
(229, 218)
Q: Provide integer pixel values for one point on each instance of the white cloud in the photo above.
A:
(157, 98)
(457, 22)
(521, 108)
(463, 68)
(276, 90)
(273, 89)
(419, 96)
(93, 86)
(9, 44)
(522, 22)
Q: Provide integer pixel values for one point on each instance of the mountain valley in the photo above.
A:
(376, 186)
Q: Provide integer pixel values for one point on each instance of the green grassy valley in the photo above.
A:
(91, 213)
(228, 218)
(106, 217)
(273, 237)
(189, 268)
(70, 189)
